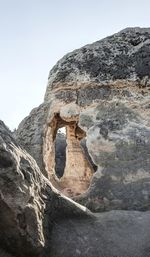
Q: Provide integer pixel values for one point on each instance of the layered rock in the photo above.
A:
(102, 89)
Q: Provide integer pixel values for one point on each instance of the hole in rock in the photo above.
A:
(67, 160)
(60, 152)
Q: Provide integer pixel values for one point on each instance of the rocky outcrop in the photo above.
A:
(29, 204)
(101, 95)
(35, 220)
(103, 91)
(121, 136)
(21, 204)
(117, 57)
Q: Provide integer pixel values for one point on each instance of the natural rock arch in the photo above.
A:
(78, 170)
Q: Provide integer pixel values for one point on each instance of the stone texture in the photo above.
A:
(115, 57)
(21, 204)
(78, 172)
(31, 130)
(116, 233)
(28, 202)
(101, 94)
(119, 144)
(103, 88)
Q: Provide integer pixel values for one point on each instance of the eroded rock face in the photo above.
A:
(21, 204)
(116, 57)
(119, 143)
(28, 203)
(31, 131)
(37, 221)
(77, 171)
(101, 95)
(115, 233)
(104, 90)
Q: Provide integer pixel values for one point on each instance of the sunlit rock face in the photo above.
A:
(101, 94)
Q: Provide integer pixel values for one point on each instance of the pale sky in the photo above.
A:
(34, 34)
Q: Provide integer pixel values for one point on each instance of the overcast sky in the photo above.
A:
(34, 34)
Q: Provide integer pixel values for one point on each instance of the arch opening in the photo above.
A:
(67, 161)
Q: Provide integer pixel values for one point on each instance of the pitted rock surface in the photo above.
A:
(101, 94)
(116, 57)
(29, 204)
(104, 90)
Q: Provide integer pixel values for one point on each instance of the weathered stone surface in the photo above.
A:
(101, 94)
(104, 90)
(119, 144)
(116, 57)
(28, 202)
(21, 204)
(31, 130)
(116, 233)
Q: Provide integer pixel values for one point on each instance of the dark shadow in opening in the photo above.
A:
(60, 152)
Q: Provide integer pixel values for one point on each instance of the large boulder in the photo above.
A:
(37, 221)
(101, 94)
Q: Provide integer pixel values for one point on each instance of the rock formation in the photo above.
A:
(29, 204)
(100, 95)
